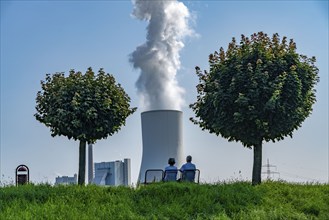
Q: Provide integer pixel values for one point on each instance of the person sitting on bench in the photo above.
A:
(170, 171)
(188, 170)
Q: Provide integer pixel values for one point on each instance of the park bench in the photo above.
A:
(159, 175)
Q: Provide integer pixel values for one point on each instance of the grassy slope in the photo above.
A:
(239, 200)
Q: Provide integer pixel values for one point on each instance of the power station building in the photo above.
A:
(66, 180)
(113, 173)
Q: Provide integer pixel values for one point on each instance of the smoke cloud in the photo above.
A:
(158, 57)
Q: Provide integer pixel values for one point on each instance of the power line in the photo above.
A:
(302, 177)
(271, 173)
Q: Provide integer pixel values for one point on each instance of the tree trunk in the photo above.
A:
(82, 163)
(257, 167)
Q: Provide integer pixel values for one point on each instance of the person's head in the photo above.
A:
(189, 158)
(171, 161)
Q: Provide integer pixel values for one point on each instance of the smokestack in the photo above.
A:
(162, 135)
(127, 171)
(90, 164)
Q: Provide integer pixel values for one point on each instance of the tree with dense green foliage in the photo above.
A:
(86, 107)
(258, 90)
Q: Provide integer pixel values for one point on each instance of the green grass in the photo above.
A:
(236, 200)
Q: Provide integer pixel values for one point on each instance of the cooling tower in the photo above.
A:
(162, 135)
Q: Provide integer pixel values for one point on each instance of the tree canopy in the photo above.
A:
(260, 89)
(86, 107)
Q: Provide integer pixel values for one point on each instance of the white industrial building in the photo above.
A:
(113, 173)
(66, 180)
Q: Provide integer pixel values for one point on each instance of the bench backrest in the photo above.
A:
(170, 175)
(153, 175)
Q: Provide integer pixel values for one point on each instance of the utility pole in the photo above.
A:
(268, 170)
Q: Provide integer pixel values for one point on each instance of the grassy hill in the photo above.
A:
(236, 200)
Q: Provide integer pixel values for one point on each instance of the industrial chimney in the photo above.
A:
(162, 138)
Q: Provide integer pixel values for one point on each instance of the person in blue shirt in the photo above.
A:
(188, 170)
(171, 171)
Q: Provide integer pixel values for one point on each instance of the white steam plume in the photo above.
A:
(158, 57)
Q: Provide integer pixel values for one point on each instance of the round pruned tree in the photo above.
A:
(85, 107)
(258, 90)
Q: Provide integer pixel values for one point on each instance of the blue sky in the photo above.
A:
(56, 36)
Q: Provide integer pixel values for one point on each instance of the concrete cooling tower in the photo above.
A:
(162, 135)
